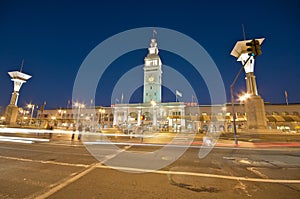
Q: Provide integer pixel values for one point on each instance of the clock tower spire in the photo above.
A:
(152, 74)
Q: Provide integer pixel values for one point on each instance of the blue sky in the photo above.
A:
(54, 38)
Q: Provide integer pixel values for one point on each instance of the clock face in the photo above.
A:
(150, 79)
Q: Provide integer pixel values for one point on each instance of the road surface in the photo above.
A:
(64, 169)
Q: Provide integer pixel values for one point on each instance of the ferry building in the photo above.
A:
(152, 111)
(156, 115)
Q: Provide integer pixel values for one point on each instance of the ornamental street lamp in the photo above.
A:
(100, 119)
(78, 106)
(31, 106)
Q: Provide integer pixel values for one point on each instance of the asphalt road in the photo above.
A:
(53, 169)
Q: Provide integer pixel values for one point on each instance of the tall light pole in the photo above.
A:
(31, 106)
(101, 112)
(78, 106)
(61, 112)
(232, 100)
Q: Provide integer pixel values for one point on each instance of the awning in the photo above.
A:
(296, 118)
(279, 118)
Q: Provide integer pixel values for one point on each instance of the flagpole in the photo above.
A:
(286, 98)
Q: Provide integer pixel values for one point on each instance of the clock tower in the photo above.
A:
(152, 74)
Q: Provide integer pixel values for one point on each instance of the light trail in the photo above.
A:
(22, 139)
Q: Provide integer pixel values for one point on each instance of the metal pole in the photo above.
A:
(32, 108)
(232, 100)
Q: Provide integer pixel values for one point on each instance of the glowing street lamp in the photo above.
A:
(101, 112)
(78, 106)
(31, 106)
(244, 97)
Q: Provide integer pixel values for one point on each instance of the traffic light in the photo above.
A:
(254, 49)
(142, 117)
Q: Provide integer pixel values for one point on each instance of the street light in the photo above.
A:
(31, 106)
(23, 113)
(244, 97)
(232, 100)
(78, 106)
(61, 112)
(101, 112)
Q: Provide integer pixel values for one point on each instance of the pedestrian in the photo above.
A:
(79, 131)
(50, 134)
(73, 134)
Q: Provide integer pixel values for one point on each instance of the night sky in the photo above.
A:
(54, 38)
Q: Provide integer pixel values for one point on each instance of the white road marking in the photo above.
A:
(76, 177)
(98, 165)
(203, 175)
(242, 187)
(180, 146)
(44, 161)
(260, 174)
(67, 182)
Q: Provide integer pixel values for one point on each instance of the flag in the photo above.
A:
(154, 33)
(178, 93)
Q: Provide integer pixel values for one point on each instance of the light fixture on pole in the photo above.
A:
(31, 106)
(78, 106)
(101, 112)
